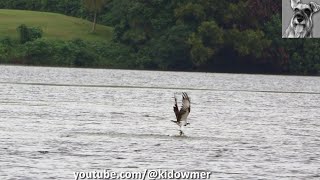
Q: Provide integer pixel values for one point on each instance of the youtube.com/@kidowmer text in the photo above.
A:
(143, 175)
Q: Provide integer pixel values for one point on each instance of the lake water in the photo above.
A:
(57, 121)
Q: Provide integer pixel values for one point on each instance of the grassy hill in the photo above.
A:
(54, 26)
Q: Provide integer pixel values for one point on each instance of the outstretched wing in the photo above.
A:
(175, 107)
(185, 109)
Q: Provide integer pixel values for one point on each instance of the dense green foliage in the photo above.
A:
(72, 8)
(208, 35)
(71, 53)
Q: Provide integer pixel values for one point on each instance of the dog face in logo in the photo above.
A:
(301, 23)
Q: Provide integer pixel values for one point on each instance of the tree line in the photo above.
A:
(201, 35)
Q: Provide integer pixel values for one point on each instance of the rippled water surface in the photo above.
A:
(55, 121)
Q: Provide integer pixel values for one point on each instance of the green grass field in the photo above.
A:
(54, 26)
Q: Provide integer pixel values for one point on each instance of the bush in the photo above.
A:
(27, 34)
(8, 49)
(61, 53)
(70, 53)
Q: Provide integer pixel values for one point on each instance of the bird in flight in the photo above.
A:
(182, 114)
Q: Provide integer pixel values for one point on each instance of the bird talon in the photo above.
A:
(181, 133)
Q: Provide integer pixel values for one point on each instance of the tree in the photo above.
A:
(94, 6)
(29, 33)
(205, 42)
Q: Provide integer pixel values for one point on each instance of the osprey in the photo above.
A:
(184, 111)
